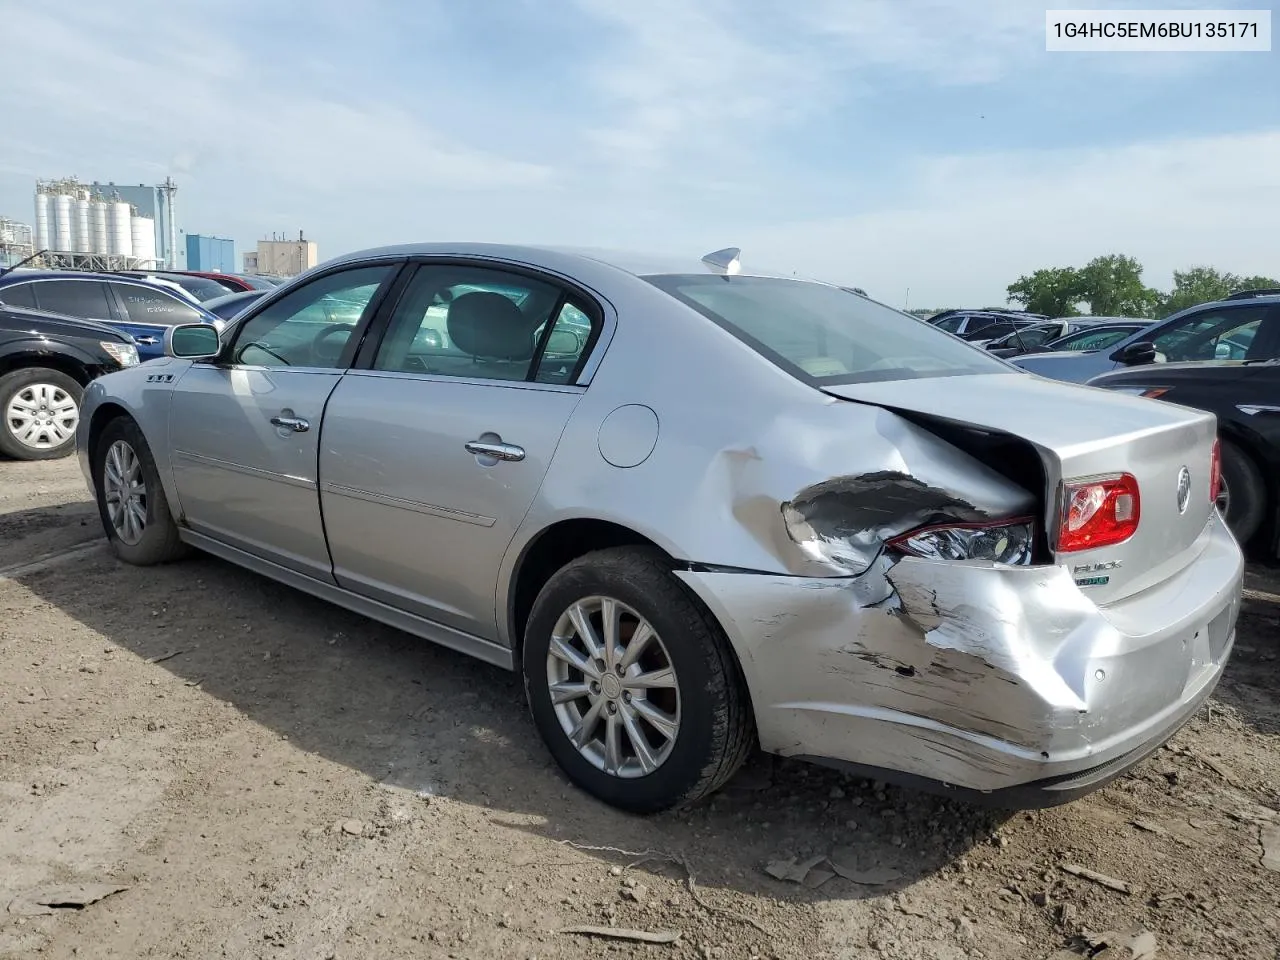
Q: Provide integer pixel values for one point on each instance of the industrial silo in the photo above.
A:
(119, 229)
(144, 240)
(80, 222)
(61, 223)
(98, 226)
(42, 219)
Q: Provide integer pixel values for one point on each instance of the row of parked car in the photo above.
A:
(60, 330)
(1218, 356)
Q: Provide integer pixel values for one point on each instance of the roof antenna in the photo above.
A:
(724, 261)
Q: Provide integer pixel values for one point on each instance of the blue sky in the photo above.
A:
(895, 144)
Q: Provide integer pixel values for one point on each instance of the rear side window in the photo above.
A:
(145, 305)
(75, 298)
(821, 335)
(18, 295)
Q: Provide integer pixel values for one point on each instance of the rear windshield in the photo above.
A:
(823, 335)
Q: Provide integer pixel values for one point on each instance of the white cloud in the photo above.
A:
(978, 222)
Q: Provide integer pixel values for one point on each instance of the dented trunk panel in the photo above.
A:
(1083, 432)
(976, 675)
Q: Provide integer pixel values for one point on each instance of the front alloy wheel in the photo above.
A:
(613, 687)
(124, 489)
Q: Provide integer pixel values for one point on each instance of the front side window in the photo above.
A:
(312, 326)
(1214, 334)
(148, 305)
(822, 335)
(950, 324)
(75, 298)
(476, 322)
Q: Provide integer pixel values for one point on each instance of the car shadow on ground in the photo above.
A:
(409, 714)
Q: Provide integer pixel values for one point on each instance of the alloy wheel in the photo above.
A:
(613, 687)
(42, 416)
(125, 491)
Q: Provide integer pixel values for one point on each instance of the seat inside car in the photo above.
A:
(494, 333)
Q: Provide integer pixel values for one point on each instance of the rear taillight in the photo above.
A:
(1098, 512)
(1215, 472)
(1003, 541)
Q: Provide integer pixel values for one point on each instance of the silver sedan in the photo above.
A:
(700, 510)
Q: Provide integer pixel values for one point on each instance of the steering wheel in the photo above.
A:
(324, 355)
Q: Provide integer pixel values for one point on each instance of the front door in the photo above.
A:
(245, 431)
(434, 452)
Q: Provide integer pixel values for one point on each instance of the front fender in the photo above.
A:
(144, 394)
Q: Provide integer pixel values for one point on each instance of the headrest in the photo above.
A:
(489, 325)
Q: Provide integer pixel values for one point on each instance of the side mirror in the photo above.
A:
(192, 341)
(563, 343)
(1136, 354)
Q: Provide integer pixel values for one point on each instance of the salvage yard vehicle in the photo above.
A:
(1244, 326)
(743, 508)
(45, 362)
(1245, 397)
(1073, 333)
(141, 308)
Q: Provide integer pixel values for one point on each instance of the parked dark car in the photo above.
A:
(46, 360)
(1068, 333)
(1244, 326)
(230, 304)
(142, 310)
(1245, 395)
(983, 324)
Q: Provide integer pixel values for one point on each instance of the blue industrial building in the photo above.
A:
(210, 254)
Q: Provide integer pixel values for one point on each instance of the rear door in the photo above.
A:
(436, 448)
(148, 312)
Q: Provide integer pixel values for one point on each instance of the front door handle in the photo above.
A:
(499, 451)
(147, 340)
(296, 424)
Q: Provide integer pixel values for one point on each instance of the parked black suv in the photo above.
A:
(46, 360)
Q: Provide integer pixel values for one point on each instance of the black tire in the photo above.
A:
(12, 384)
(159, 542)
(716, 731)
(1247, 492)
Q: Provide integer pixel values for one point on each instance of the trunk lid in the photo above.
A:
(1083, 432)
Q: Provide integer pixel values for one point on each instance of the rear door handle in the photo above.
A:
(499, 451)
(296, 424)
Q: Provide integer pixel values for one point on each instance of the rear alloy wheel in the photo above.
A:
(41, 409)
(1242, 496)
(131, 501)
(632, 683)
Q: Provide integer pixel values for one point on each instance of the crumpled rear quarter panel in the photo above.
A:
(971, 674)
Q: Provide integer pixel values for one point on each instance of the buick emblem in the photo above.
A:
(1184, 489)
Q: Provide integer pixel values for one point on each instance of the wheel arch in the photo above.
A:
(63, 362)
(1253, 446)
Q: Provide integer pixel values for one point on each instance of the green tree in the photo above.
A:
(1202, 284)
(1113, 286)
(1055, 292)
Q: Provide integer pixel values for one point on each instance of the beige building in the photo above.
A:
(282, 258)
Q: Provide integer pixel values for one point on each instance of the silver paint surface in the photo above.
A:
(968, 673)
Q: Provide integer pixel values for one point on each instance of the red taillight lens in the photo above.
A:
(1215, 472)
(1098, 512)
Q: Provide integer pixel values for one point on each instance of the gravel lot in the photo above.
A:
(268, 776)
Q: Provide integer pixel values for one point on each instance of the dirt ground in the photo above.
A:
(267, 776)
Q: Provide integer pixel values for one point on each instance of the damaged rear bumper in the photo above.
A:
(1003, 683)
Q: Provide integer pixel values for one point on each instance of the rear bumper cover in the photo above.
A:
(1003, 683)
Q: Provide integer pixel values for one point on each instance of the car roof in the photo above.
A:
(561, 258)
(71, 275)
